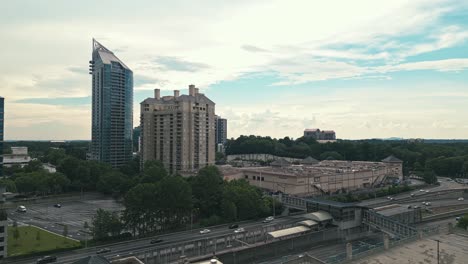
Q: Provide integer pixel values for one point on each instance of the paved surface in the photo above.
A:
(127, 248)
(405, 197)
(452, 250)
(73, 214)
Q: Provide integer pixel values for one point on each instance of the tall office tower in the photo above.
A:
(178, 130)
(112, 103)
(221, 131)
(2, 117)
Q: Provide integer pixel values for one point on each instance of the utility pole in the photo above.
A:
(438, 257)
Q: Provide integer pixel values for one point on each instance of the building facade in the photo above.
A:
(317, 134)
(19, 156)
(313, 178)
(178, 130)
(2, 118)
(221, 130)
(3, 233)
(112, 108)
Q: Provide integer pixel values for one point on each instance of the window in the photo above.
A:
(246, 176)
(2, 229)
(254, 177)
(263, 178)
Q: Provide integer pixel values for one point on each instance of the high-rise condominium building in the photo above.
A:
(112, 113)
(2, 117)
(221, 130)
(178, 130)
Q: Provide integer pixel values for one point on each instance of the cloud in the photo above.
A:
(169, 47)
(252, 48)
(438, 65)
(177, 64)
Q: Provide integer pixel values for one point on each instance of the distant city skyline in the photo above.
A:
(365, 69)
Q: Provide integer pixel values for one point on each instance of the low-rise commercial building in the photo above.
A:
(319, 135)
(19, 156)
(317, 178)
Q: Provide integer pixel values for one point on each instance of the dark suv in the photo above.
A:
(233, 226)
(47, 259)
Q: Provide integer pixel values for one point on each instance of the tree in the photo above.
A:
(175, 201)
(100, 224)
(16, 234)
(429, 176)
(85, 225)
(65, 231)
(113, 182)
(153, 171)
(207, 188)
(463, 222)
(142, 213)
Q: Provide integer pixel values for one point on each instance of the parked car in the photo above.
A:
(156, 240)
(57, 205)
(233, 226)
(268, 219)
(461, 199)
(103, 250)
(410, 207)
(205, 231)
(21, 209)
(47, 259)
(457, 218)
(239, 230)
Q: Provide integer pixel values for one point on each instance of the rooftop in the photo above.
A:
(105, 54)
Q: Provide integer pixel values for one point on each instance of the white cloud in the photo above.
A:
(213, 41)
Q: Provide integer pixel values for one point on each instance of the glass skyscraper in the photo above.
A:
(112, 108)
(2, 118)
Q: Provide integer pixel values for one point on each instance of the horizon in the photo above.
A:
(367, 70)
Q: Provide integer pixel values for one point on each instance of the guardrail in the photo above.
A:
(444, 215)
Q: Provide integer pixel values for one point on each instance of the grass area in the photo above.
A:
(29, 242)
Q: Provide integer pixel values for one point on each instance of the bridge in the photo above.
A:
(387, 224)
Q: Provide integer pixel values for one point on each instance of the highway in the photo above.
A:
(128, 247)
(406, 197)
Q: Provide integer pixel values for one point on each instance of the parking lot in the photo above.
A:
(73, 214)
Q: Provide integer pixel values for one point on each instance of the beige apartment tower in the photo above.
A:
(178, 130)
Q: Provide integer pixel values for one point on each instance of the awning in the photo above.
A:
(319, 216)
(308, 223)
(288, 231)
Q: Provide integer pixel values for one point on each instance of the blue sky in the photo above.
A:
(367, 69)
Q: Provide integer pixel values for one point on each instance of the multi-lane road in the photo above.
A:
(445, 184)
(127, 248)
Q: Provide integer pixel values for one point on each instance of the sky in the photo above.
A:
(364, 68)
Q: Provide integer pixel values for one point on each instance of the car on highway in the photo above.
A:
(461, 199)
(233, 226)
(46, 259)
(412, 195)
(268, 219)
(103, 250)
(205, 231)
(421, 190)
(21, 209)
(239, 230)
(57, 205)
(426, 191)
(156, 240)
(427, 204)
